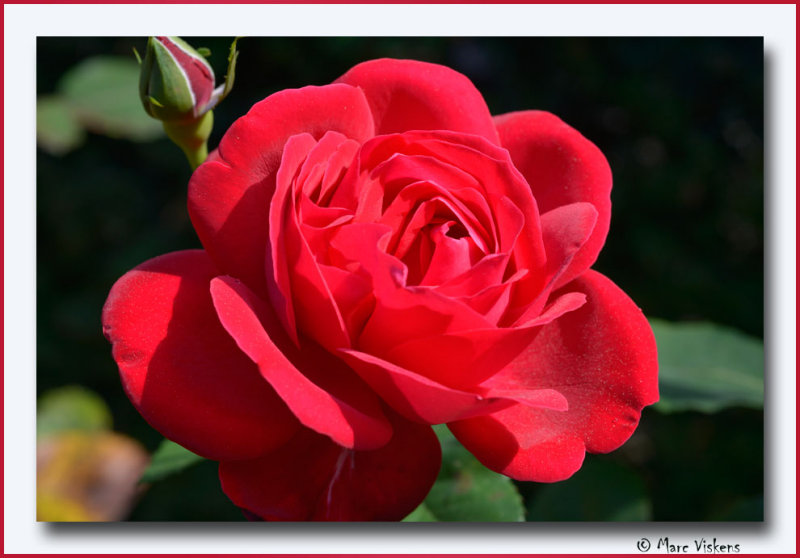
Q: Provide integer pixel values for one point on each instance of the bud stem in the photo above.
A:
(192, 137)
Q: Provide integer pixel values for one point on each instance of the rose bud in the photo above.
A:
(176, 86)
(176, 82)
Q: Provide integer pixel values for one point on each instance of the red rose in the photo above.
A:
(382, 255)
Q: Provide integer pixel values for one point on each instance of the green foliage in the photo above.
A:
(466, 490)
(71, 408)
(99, 94)
(600, 491)
(103, 91)
(193, 494)
(421, 515)
(168, 459)
(230, 75)
(57, 128)
(707, 367)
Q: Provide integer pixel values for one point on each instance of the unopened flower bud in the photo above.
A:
(176, 86)
(176, 82)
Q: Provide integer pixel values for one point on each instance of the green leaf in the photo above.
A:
(707, 367)
(467, 491)
(233, 56)
(57, 128)
(103, 93)
(71, 408)
(168, 459)
(599, 491)
(421, 514)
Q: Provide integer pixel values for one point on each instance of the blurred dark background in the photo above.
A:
(679, 119)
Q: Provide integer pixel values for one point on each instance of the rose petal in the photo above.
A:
(411, 95)
(510, 223)
(335, 170)
(415, 178)
(279, 282)
(353, 295)
(457, 160)
(562, 167)
(416, 397)
(602, 358)
(565, 230)
(181, 369)
(228, 196)
(561, 304)
(411, 313)
(486, 273)
(322, 393)
(296, 284)
(451, 258)
(361, 248)
(312, 479)
(424, 400)
(415, 206)
(462, 359)
(492, 302)
(501, 182)
(401, 313)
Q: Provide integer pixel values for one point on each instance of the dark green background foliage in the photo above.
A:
(681, 123)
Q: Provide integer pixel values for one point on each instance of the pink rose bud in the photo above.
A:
(176, 82)
(176, 86)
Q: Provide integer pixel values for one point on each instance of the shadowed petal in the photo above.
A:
(337, 404)
(181, 369)
(313, 479)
